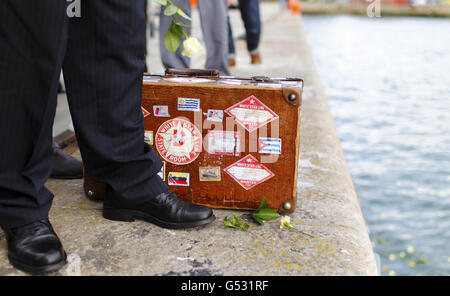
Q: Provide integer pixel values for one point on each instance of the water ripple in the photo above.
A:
(388, 86)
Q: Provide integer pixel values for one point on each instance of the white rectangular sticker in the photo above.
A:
(161, 111)
(188, 104)
(230, 82)
(162, 172)
(209, 173)
(223, 142)
(150, 79)
(269, 145)
(214, 115)
(275, 85)
(148, 137)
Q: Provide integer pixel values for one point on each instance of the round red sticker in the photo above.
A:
(178, 141)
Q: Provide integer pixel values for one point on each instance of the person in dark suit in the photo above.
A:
(102, 57)
(65, 166)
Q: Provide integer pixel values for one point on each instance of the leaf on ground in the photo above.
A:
(262, 205)
(234, 222)
(267, 214)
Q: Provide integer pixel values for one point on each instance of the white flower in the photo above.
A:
(191, 47)
(285, 222)
(410, 249)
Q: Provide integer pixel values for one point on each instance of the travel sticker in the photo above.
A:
(188, 104)
(178, 179)
(162, 172)
(150, 79)
(223, 142)
(161, 111)
(230, 82)
(269, 145)
(145, 113)
(274, 85)
(251, 113)
(178, 141)
(209, 173)
(214, 115)
(188, 80)
(148, 137)
(248, 172)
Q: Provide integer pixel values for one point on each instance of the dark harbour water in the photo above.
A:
(388, 85)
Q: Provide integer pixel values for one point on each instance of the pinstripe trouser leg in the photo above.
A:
(103, 68)
(32, 43)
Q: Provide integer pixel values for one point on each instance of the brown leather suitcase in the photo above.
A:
(226, 142)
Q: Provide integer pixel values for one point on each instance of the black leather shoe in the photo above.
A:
(65, 166)
(165, 210)
(35, 248)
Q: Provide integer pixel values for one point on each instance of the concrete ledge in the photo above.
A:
(386, 9)
(328, 207)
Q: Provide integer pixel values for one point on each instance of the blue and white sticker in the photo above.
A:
(188, 104)
(150, 79)
(269, 145)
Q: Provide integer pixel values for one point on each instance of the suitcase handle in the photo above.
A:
(193, 72)
(261, 79)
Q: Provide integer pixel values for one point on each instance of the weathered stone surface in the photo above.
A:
(328, 208)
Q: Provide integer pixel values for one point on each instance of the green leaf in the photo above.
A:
(170, 10)
(227, 222)
(422, 260)
(267, 214)
(257, 219)
(161, 2)
(234, 222)
(262, 205)
(176, 29)
(262, 213)
(176, 21)
(181, 13)
(171, 41)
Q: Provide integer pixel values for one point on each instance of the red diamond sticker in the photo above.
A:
(251, 113)
(145, 112)
(248, 172)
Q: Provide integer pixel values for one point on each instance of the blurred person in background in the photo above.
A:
(251, 17)
(65, 166)
(213, 17)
